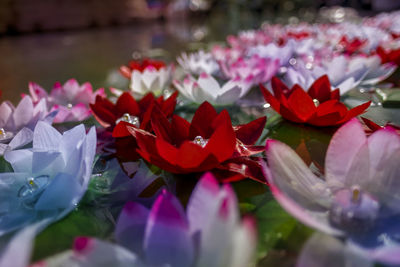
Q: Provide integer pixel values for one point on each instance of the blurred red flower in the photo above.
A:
(320, 106)
(126, 71)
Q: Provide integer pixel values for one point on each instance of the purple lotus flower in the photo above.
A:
(208, 234)
(359, 196)
(71, 100)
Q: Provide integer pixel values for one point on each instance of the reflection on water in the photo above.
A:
(89, 55)
(95, 54)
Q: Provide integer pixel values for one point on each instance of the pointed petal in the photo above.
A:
(167, 222)
(339, 156)
(22, 138)
(321, 89)
(384, 152)
(250, 132)
(46, 137)
(129, 231)
(203, 202)
(301, 104)
(292, 176)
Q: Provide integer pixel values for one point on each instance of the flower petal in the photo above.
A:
(129, 231)
(167, 238)
(338, 156)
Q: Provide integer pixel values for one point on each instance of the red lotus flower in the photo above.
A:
(319, 106)
(126, 71)
(209, 142)
(109, 114)
(351, 46)
(128, 112)
(389, 55)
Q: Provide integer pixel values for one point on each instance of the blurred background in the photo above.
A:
(54, 40)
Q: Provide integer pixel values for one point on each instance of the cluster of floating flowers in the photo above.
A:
(351, 54)
(302, 71)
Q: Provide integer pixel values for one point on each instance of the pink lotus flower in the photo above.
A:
(252, 71)
(71, 100)
(17, 123)
(359, 196)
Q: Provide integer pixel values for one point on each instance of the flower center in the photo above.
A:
(352, 209)
(5, 136)
(316, 102)
(30, 192)
(199, 140)
(129, 119)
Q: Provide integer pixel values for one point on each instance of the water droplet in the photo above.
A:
(282, 70)
(309, 65)
(267, 105)
(5, 136)
(30, 192)
(292, 61)
(129, 119)
(199, 140)
(136, 55)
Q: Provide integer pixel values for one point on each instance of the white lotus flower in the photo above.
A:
(196, 63)
(206, 88)
(344, 73)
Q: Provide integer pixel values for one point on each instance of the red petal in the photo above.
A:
(269, 98)
(331, 106)
(146, 118)
(330, 119)
(289, 115)
(168, 105)
(279, 88)
(121, 130)
(167, 151)
(371, 125)
(190, 155)
(127, 104)
(146, 101)
(222, 142)
(104, 116)
(180, 129)
(202, 119)
(245, 166)
(161, 125)
(321, 89)
(250, 132)
(355, 112)
(242, 150)
(335, 94)
(301, 104)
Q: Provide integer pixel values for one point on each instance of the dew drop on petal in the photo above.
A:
(30, 192)
(5, 136)
(129, 119)
(199, 140)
